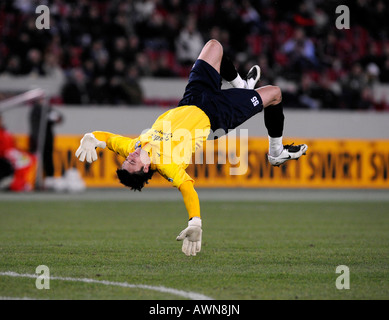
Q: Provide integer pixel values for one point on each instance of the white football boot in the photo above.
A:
(290, 152)
(253, 77)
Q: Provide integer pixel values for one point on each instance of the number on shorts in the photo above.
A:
(255, 101)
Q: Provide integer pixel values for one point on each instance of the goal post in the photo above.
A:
(21, 99)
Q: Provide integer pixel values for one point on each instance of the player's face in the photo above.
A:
(135, 162)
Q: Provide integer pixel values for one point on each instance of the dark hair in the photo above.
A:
(135, 181)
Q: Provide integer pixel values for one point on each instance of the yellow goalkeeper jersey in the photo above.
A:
(170, 142)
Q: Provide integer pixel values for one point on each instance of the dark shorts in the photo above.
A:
(227, 108)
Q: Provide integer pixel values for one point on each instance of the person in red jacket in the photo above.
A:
(17, 168)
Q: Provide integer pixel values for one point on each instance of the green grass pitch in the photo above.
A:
(251, 250)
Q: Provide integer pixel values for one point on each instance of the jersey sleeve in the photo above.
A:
(174, 173)
(191, 199)
(117, 143)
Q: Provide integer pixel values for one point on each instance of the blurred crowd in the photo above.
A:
(104, 47)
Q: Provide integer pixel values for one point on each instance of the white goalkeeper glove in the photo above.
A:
(87, 148)
(192, 237)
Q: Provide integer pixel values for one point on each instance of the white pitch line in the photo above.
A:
(16, 298)
(185, 294)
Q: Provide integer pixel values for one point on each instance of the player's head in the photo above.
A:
(135, 171)
(135, 180)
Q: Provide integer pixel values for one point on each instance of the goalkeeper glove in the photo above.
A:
(192, 237)
(87, 148)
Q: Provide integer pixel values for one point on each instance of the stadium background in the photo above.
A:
(273, 233)
(116, 65)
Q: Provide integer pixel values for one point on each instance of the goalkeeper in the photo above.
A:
(204, 107)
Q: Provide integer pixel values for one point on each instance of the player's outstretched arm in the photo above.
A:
(87, 148)
(191, 236)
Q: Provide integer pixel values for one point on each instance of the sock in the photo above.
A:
(238, 82)
(229, 73)
(275, 146)
(274, 122)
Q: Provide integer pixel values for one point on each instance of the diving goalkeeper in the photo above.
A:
(204, 107)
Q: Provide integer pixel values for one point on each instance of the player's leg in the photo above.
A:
(205, 75)
(230, 74)
(274, 117)
(274, 122)
(214, 55)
